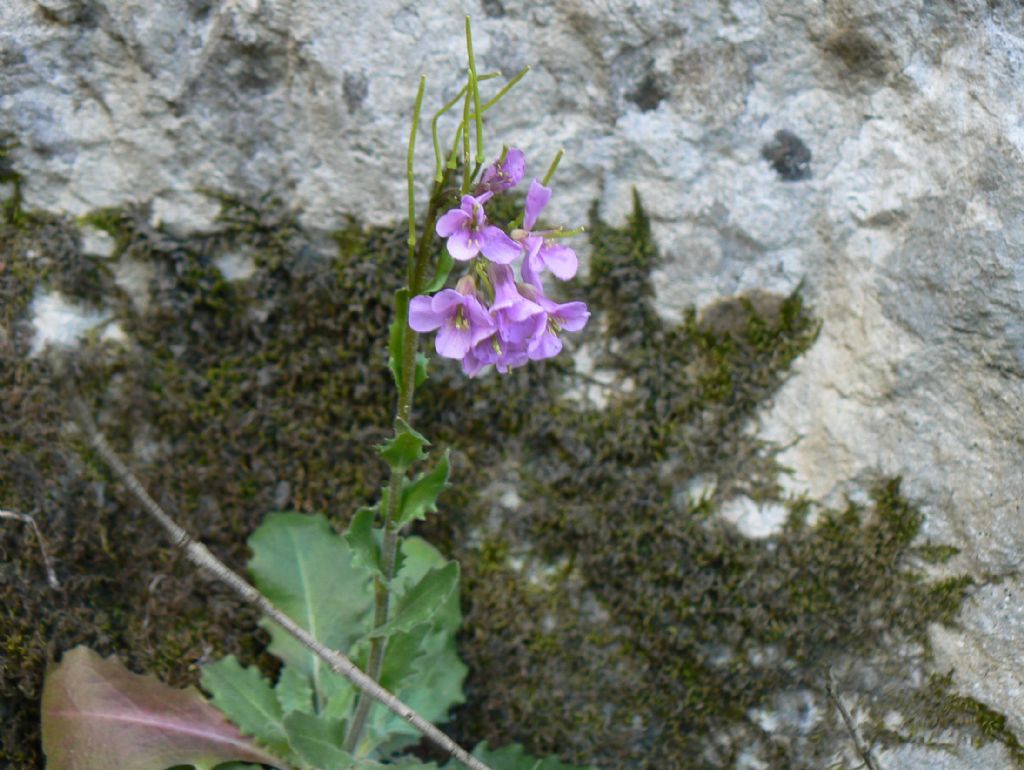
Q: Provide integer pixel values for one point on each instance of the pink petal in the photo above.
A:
(422, 316)
(472, 365)
(530, 275)
(560, 260)
(498, 247)
(572, 316)
(546, 346)
(504, 282)
(469, 201)
(536, 199)
(515, 166)
(481, 325)
(444, 302)
(464, 245)
(452, 342)
(452, 222)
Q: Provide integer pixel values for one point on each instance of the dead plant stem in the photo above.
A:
(26, 518)
(851, 728)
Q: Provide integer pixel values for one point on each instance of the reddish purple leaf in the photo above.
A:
(98, 715)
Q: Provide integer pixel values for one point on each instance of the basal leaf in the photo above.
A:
(341, 695)
(514, 757)
(363, 540)
(405, 448)
(318, 740)
(340, 701)
(420, 602)
(419, 496)
(248, 700)
(400, 763)
(98, 715)
(302, 565)
(293, 691)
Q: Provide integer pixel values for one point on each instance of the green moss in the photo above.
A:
(939, 703)
(10, 211)
(657, 633)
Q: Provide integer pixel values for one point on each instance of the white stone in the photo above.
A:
(795, 711)
(701, 488)
(183, 213)
(235, 266)
(963, 757)
(987, 654)
(133, 277)
(97, 242)
(753, 519)
(60, 323)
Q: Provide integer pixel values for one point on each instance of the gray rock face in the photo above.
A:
(871, 148)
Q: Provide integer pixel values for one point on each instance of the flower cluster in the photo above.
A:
(498, 313)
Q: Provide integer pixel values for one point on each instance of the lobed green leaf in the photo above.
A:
(317, 740)
(304, 567)
(293, 691)
(419, 603)
(248, 700)
(362, 539)
(422, 666)
(419, 496)
(405, 448)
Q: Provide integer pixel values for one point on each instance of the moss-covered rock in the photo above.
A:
(612, 616)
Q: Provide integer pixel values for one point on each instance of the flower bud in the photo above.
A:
(466, 286)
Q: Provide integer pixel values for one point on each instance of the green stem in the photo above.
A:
(438, 155)
(462, 129)
(465, 141)
(552, 167)
(409, 169)
(439, 160)
(476, 95)
(389, 547)
(505, 89)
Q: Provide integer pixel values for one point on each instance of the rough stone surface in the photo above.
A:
(870, 148)
(964, 758)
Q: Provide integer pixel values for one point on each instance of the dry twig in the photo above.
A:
(26, 518)
(864, 751)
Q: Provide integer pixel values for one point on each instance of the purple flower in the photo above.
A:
(516, 319)
(507, 300)
(502, 354)
(570, 317)
(469, 234)
(542, 252)
(472, 365)
(503, 174)
(457, 314)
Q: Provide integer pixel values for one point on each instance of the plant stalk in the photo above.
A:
(389, 546)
